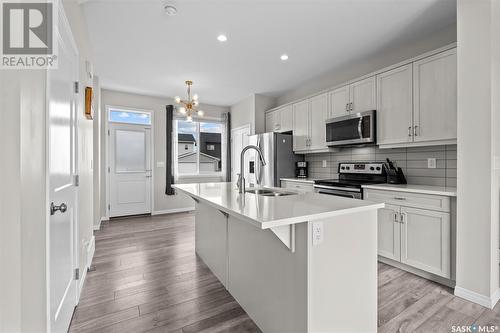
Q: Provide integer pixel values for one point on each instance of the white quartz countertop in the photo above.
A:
(299, 180)
(409, 188)
(266, 212)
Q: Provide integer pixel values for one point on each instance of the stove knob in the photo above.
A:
(378, 168)
(343, 168)
(372, 168)
(348, 168)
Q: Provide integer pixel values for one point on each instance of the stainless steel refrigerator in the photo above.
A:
(280, 160)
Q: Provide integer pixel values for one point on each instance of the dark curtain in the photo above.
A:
(169, 190)
(228, 140)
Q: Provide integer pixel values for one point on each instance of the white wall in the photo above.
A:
(157, 105)
(360, 67)
(251, 110)
(477, 200)
(242, 113)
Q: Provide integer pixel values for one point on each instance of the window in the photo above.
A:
(129, 117)
(199, 147)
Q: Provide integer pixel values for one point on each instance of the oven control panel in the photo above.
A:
(362, 168)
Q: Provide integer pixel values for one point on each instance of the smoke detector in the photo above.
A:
(170, 9)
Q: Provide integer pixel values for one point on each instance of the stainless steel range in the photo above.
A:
(352, 176)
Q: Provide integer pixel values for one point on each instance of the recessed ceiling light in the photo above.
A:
(222, 38)
(284, 57)
(170, 9)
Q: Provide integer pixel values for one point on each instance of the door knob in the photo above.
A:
(54, 208)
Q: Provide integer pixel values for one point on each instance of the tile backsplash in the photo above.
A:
(412, 160)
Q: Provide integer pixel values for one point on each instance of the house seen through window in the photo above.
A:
(199, 147)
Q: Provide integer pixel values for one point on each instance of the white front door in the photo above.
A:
(129, 170)
(61, 121)
(239, 140)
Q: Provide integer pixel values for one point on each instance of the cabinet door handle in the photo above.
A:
(409, 131)
(395, 217)
(399, 198)
(347, 107)
(403, 218)
(351, 106)
(415, 130)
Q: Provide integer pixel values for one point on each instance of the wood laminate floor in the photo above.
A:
(148, 278)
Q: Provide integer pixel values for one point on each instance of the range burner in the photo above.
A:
(352, 176)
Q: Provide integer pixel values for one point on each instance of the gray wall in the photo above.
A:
(413, 161)
(161, 202)
(373, 62)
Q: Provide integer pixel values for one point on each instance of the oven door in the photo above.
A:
(353, 129)
(339, 192)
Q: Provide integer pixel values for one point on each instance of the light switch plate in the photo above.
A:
(324, 163)
(317, 233)
(431, 163)
(160, 164)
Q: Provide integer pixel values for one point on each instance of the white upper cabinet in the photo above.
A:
(280, 120)
(394, 109)
(272, 121)
(286, 114)
(301, 125)
(435, 97)
(362, 95)
(319, 113)
(339, 102)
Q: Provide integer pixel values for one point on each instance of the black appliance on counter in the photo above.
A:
(301, 169)
(352, 176)
(394, 173)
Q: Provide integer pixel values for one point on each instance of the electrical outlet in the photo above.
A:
(324, 163)
(317, 233)
(431, 163)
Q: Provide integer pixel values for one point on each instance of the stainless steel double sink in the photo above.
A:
(267, 192)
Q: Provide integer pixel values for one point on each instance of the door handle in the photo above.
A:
(54, 208)
(409, 131)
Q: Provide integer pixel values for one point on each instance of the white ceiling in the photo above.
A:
(138, 48)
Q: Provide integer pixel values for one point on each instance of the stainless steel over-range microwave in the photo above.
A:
(354, 129)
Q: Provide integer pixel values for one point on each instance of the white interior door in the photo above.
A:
(129, 170)
(61, 121)
(239, 140)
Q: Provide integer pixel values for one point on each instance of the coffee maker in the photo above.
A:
(301, 169)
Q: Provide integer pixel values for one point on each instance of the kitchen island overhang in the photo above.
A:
(298, 263)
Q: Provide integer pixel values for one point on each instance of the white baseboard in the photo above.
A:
(472, 296)
(171, 211)
(90, 249)
(98, 226)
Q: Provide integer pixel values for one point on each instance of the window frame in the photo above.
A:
(110, 109)
(175, 152)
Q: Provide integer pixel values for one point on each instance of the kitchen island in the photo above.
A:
(296, 262)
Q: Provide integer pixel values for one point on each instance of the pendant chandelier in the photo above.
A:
(188, 107)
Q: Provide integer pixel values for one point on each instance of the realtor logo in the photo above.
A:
(28, 34)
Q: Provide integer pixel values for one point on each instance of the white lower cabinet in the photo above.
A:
(389, 232)
(298, 185)
(425, 240)
(416, 237)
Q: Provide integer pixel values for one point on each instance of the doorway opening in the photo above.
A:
(129, 160)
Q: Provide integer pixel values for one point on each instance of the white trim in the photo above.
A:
(418, 144)
(472, 296)
(172, 211)
(98, 226)
(90, 251)
(106, 152)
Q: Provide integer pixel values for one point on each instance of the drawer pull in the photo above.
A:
(399, 198)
